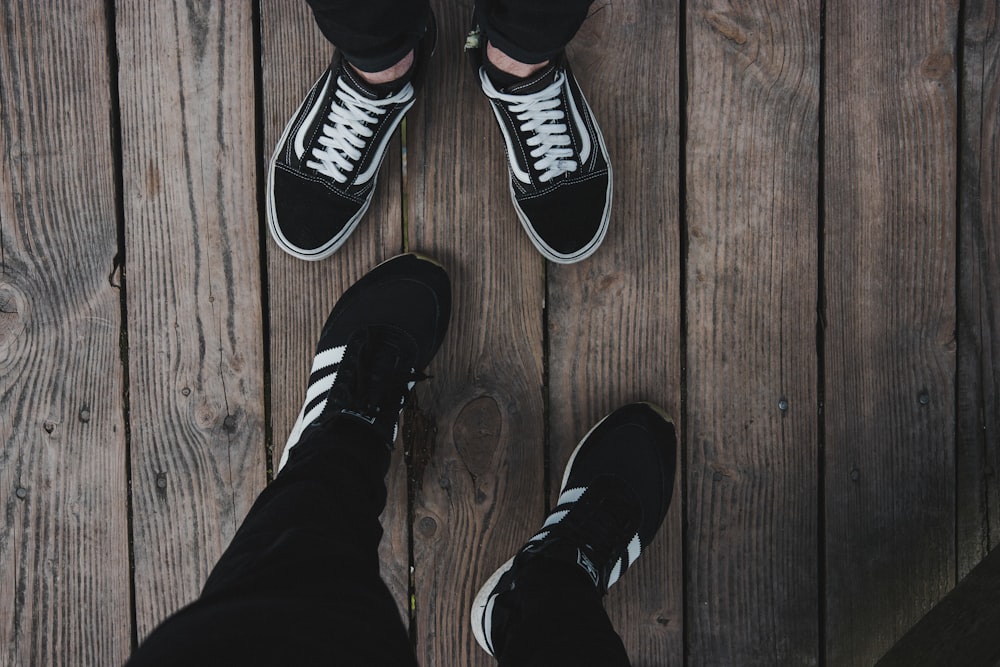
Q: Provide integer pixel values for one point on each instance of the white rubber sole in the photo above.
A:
(482, 608)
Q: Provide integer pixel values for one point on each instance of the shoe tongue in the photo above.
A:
(379, 348)
(356, 83)
(540, 80)
(372, 390)
(374, 91)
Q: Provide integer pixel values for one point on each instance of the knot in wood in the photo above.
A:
(477, 433)
(13, 306)
(427, 526)
(204, 416)
(938, 66)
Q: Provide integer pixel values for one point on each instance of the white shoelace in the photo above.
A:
(348, 127)
(540, 113)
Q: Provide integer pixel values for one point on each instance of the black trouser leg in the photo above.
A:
(531, 31)
(373, 34)
(300, 583)
(559, 621)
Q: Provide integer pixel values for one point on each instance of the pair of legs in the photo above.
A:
(300, 583)
(377, 37)
(322, 176)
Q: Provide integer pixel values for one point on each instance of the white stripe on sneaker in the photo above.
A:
(581, 127)
(571, 495)
(320, 387)
(321, 361)
(615, 573)
(314, 414)
(328, 358)
(555, 517)
(634, 549)
(300, 136)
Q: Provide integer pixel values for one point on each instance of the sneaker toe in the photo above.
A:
(409, 293)
(639, 446)
(314, 220)
(571, 219)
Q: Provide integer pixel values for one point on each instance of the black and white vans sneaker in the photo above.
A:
(322, 176)
(615, 493)
(560, 174)
(379, 337)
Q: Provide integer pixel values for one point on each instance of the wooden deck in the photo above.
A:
(803, 266)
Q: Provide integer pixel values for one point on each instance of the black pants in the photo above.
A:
(300, 583)
(374, 34)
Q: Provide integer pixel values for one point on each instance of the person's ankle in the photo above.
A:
(510, 66)
(389, 75)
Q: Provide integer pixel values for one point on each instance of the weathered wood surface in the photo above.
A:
(64, 577)
(978, 377)
(614, 319)
(890, 200)
(752, 223)
(959, 630)
(482, 484)
(193, 289)
(875, 487)
(301, 294)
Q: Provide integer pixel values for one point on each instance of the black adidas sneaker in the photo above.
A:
(615, 493)
(321, 178)
(560, 173)
(379, 337)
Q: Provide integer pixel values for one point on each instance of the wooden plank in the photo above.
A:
(301, 294)
(890, 196)
(959, 630)
(481, 490)
(613, 320)
(194, 302)
(64, 538)
(752, 213)
(978, 378)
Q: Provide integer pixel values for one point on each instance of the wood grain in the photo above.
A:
(64, 535)
(195, 353)
(481, 490)
(890, 193)
(978, 377)
(614, 319)
(910, 451)
(301, 294)
(752, 234)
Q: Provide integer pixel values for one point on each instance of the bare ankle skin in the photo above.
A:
(387, 75)
(505, 63)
